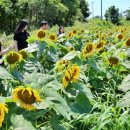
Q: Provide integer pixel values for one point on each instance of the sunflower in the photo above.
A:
(88, 50)
(27, 97)
(113, 61)
(13, 57)
(53, 37)
(3, 110)
(120, 36)
(75, 72)
(71, 75)
(23, 53)
(66, 79)
(71, 48)
(99, 45)
(74, 32)
(61, 65)
(41, 35)
(81, 31)
(97, 35)
(127, 43)
(103, 37)
(70, 34)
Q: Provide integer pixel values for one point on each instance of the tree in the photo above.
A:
(112, 14)
(84, 8)
(74, 12)
(127, 14)
(61, 12)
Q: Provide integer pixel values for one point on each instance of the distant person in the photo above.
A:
(21, 35)
(44, 25)
(61, 30)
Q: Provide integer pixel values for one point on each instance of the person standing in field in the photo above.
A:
(21, 35)
(61, 31)
(44, 25)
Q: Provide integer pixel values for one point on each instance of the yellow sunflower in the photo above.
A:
(113, 61)
(127, 43)
(88, 50)
(74, 32)
(61, 65)
(75, 73)
(3, 110)
(53, 37)
(97, 35)
(66, 79)
(41, 35)
(13, 57)
(23, 53)
(27, 97)
(81, 31)
(120, 36)
(99, 46)
(71, 75)
(70, 34)
(71, 48)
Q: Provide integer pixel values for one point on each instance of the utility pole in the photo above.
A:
(92, 8)
(101, 9)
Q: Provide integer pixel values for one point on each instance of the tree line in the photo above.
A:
(60, 12)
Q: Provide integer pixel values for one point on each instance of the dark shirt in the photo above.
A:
(21, 38)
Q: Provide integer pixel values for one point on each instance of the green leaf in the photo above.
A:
(4, 74)
(63, 48)
(37, 80)
(31, 40)
(19, 123)
(82, 104)
(125, 85)
(55, 124)
(70, 55)
(57, 101)
(2, 99)
(84, 88)
(125, 101)
(42, 45)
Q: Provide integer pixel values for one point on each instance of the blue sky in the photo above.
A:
(121, 4)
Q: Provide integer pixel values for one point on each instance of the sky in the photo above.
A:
(121, 4)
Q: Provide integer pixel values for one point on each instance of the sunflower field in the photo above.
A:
(77, 81)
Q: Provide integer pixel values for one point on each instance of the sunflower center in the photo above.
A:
(99, 45)
(70, 34)
(120, 36)
(41, 34)
(74, 31)
(66, 78)
(128, 42)
(26, 98)
(52, 37)
(12, 58)
(113, 60)
(89, 48)
(24, 54)
(71, 48)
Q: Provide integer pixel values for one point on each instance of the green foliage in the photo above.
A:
(112, 14)
(97, 100)
(54, 11)
(127, 14)
(84, 8)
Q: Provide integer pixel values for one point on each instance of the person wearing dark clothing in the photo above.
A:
(21, 35)
(61, 30)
